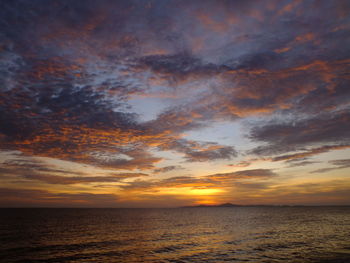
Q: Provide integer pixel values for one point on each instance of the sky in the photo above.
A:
(166, 103)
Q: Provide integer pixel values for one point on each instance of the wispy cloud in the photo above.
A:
(203, 182)
(336, 164)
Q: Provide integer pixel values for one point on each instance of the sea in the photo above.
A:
(202, 234)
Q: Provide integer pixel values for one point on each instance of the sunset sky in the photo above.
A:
(169, 103)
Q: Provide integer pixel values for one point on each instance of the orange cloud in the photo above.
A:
(215, 24)
(289, 7)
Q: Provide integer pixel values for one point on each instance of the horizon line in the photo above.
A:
(174, 207)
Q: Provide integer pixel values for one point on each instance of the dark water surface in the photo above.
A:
(233, 234)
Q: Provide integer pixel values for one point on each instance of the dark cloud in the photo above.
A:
(32, 169)
(31, 166)
(69, 71)
(25, 163)
(62, 102)
(179, 66)
(241, 164)
(342, 162)
(337, 164)
(200, 151)
(297, 163)
(62, 122)
(56, 87)
(167, 169)
(294, 135)
(306, 154)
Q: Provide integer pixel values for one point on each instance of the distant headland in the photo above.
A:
(236, 205)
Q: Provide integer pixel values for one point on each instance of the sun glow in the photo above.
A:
(191, 191)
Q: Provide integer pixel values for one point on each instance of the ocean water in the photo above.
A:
(232, 234)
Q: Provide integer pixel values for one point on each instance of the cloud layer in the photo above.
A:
(122, 86)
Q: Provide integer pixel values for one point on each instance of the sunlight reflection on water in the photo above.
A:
(239, 234)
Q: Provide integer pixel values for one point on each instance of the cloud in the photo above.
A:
(137, 158)
(167, 169)
(76, 62)
(200, 151)
(28, 165)
(298, 163)
(32, 169)
(290, 136)
(172, 182)
(181, 65)
(328, 192)
(220, 180)
(34, 198)
(240, 164)
(70, 72)
(56, 179)
(339, 164)
(243, 174)
(309, 153)
(62, 122)
(342, 162)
